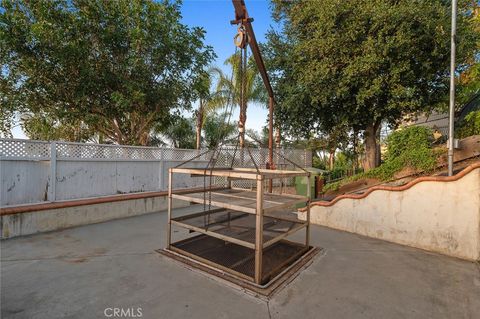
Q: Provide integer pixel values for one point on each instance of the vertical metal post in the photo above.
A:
(259, 231)
(161, 179)
(307, 235)
(53, 171)
(169, 227)
(452, 89)
(1, 181)
(270, 140)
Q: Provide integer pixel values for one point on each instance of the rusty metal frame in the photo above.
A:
(259, 232)
(169, 208)
(259, 210)
(242, 17)
(309, 196)
(181, 222)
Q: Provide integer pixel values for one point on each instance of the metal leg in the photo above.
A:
(169, 227)
(307, 229)
(259, 231)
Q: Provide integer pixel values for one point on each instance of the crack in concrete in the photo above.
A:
(268, 308)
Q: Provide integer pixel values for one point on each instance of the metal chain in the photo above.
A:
(216, 152)
(242, 73)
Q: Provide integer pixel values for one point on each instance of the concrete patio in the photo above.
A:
(79, 272)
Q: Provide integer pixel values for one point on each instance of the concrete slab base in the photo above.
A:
(85, 272)
(264, 292)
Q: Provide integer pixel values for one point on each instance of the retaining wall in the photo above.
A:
(42, 220)
(439, 214)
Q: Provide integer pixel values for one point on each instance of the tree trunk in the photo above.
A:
(355, 155)
(241, 125)
(277, 138)
(331, 159)
(199, 125)
(371, 158)
(144, 138)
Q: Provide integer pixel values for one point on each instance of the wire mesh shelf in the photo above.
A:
(241, 199)
(238, 227)
(239, 260)
(241, 229)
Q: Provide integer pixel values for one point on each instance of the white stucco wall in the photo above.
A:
(442, 217)
(22, 224)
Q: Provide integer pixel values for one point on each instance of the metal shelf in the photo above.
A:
(242, 217)
(238, 260)
(241, 200)
(242, 173)
(238, 227)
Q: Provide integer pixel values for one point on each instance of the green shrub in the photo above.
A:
(318, 163)
(331, 186)
(408, 147)
(404, 140)
(470, 125)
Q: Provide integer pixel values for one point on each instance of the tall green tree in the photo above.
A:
(217, 130)
(180, 133)
(121, 67)
(469, 82)
(260, 137)
(232, 86)
(361, 62)
(41, 126)
(210, 99)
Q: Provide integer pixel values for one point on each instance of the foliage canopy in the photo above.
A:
(409, 147)
(361, 63)
(121, 67)
(469, 126)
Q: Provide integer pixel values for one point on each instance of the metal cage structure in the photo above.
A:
(241, 231)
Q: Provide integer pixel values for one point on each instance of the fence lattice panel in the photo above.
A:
(29, 149)
(15, 148)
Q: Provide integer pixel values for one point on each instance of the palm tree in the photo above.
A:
(209, 101)
(227, 92)
(254, 89)
(216, 130)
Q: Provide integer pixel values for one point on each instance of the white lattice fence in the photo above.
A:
(14, 148)
(286, 159)
(83, 151)
(82, 170)
(29, 149)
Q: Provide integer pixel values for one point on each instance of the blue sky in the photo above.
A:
(215, 16)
